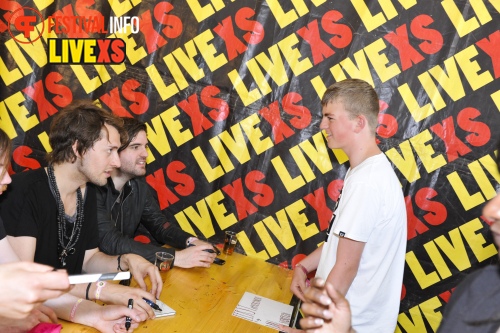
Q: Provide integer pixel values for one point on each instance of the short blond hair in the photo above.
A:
(358, 98)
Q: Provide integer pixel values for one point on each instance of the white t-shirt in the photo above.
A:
(371, 210)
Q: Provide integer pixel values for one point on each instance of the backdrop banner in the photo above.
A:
(230, 92)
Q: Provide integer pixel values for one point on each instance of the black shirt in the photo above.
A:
(2, 230)
(28, 208)
(474, 306)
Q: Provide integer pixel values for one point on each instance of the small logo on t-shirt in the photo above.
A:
(341, 234)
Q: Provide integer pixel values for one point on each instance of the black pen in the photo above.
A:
(215, 249)
(152, 304)
(128, 321)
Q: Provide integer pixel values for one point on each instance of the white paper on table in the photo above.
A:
(165, 310)
(263, 311)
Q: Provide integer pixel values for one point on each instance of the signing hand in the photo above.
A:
(112, 319)
(108, 318)
(195, 256)
(140, 268)
(118, 294)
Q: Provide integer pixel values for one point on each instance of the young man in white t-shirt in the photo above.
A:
(364, 252)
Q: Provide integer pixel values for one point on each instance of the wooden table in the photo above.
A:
(204, 299)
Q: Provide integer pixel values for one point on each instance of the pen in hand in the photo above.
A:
(152, 304)
(215, 249)
(128, 321)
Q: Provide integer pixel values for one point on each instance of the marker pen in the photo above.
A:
(128, 321)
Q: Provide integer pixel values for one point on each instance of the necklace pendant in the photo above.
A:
(62, 257)
(66, 243)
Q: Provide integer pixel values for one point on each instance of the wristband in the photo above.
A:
(303, 268)
(190, 240)
(119, 268)
(87, 292)
(73, 310)
(100, 285)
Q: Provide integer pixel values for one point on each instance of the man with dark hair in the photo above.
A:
(364, 252)
(127, 203)
(50, 214)
(82, 123)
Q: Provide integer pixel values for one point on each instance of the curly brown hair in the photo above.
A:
(82, 122)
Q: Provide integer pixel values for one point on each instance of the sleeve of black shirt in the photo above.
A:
(156, 223)
(113, 242)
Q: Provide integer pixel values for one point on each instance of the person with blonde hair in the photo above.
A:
(363, 255)
(472, 308)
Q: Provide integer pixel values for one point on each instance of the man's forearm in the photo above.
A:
(101, 263)
(174, 236)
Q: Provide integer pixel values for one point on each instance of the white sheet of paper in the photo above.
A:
(263, 311)
(166, 310)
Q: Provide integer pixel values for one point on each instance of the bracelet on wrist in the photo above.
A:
(119, 268)
(302, 268)
(87, 292)
(73, 310)
(100, 285)
(190, 240)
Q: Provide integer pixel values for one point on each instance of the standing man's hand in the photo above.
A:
(298, 285)
(325, 309)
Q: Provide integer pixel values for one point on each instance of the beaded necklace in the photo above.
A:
(66, 248)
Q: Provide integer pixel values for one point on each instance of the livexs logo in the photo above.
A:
(27, 26)
(86, 51)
